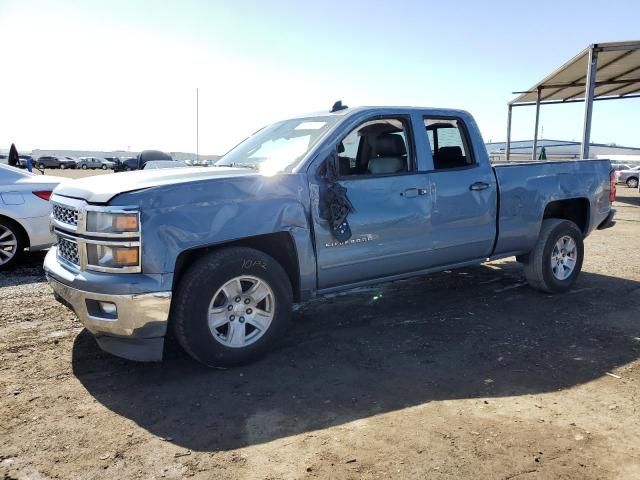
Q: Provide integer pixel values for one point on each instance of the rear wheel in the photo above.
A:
(84, 167)
(103, 167)
(555, 262)
(62, 166)
(232, 306)
(12, 244)
(40, 166)
(632, 182)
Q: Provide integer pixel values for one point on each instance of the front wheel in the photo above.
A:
(62, 166)
(84, 167)
(232, 306)
(632, 182)
(556, 260)
(40, 166)
(103, 167)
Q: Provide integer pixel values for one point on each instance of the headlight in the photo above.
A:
(112, 256)
(107, 222)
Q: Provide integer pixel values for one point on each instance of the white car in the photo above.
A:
(630, 176)
(24, 213)
(157, 164)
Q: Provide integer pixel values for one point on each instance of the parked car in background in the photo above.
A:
(309, 206)
(157, 164)
(94, 163)
(23, 160)
(117, 163)
(620, 166)
(68, 162)
(127, 165)
(49, 161)
(141, 160)
(24, 213)
(629, 177)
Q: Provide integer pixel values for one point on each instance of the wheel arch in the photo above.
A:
(18, 226)
(577, 210)
(278, 245)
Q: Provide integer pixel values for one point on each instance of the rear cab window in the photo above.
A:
(449, 143)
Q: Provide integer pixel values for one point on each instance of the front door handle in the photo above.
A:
(413, 192)
(478, 186)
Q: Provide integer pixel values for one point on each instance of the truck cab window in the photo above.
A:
(448, 142)
(377, 147)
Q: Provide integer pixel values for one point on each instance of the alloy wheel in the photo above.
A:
(564, 257)
(241, 311)
(8, 245)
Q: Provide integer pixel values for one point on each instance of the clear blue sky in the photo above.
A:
(118, 74)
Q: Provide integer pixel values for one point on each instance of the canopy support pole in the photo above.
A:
(535, 133)
(592, 68)
(507, 150)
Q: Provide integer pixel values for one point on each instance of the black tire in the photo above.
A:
(40, 166)
(103, 167)
(62, 166)
(632, 182)
(537, 266)
(84, 167)
(199, 285)
(20, 246)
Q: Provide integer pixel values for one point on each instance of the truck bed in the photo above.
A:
(525, 188)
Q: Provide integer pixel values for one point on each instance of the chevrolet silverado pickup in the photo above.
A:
(304, 207)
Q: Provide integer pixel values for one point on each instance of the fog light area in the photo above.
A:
(108, 308)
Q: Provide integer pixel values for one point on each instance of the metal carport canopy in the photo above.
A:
(602, 71)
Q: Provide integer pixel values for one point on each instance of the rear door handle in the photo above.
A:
(413, 192)
(478, 186)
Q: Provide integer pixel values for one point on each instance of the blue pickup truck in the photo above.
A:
(307, 206)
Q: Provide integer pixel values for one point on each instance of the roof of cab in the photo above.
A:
(348, 111)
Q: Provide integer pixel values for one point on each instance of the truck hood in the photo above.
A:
(102, 188)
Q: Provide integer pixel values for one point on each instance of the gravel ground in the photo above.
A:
(463, 374)
(74, 173)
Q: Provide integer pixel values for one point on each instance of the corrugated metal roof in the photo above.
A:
(543, 142)
(617, 75)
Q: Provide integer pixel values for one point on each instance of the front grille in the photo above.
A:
(65, 215)
(68, 250)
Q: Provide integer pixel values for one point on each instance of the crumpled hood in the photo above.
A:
(102, 188)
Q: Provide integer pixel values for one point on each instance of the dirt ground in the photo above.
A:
(73, 173)
(463, 374)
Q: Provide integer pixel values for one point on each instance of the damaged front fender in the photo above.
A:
(181, 217)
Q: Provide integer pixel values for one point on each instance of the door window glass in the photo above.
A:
(377, 147)
(449, 143)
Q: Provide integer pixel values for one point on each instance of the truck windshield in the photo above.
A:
(274, 148)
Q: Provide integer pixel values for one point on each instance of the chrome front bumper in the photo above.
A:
(135, 331)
